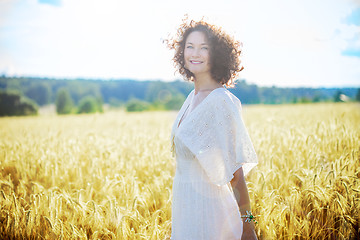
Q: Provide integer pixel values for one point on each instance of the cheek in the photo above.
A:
(209, 59)
(186, 54)
(207, 56)
(186, 61)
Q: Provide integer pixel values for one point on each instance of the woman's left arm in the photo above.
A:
(241, 193)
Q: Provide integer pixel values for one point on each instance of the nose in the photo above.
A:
(196, 52)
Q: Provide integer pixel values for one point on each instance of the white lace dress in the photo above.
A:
(210, 144)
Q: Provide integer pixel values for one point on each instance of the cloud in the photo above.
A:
(351, 52)
(351, 34)
(293, 46)
(56, 3)
(353, 18)
(353, 47)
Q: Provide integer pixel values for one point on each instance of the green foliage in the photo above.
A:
(249, 94)
(13, 104)
(136, 105)
(316, 98)
(156, 106)
(115, 103)
(40, 93)
(167, 102)
(64, 102)
(175, 102)
(337, 96)
(100, 102)
(358, 95)
(14, 85)
(90, 104)
(305, 100)
(78, 90)
(164, 96)
(123, 90)
(159, 93)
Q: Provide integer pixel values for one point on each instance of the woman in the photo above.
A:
(212, 147)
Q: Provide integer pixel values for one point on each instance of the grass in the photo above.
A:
(109, 176)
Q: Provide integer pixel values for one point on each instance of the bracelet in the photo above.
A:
(249, 217)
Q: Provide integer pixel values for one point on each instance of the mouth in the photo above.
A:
(195, 62)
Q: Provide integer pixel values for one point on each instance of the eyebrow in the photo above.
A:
(200, 44)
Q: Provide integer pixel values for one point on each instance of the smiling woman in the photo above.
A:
(223, 59)
(196, 53)
(212, 147)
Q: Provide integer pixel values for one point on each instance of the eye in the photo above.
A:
(189, 46)
(205, 48)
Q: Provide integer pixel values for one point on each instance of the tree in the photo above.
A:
(99, 102)
(337, 96)
(159, 91)
(358, 95)
(12, 104)
(114, 102)
(90, 104)
(316, 98)
(40, 93)
(175, 102)
(64, 102)
(135, 105)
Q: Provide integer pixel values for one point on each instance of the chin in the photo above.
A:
(198, 72)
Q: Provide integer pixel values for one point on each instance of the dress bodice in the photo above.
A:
(188, 167)
(209, 147)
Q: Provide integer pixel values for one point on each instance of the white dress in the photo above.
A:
(210, 144)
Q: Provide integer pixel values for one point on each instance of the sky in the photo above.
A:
(286, 43)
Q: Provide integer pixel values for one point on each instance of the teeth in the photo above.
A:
(195, 62)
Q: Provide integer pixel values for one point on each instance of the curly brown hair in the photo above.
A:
(225, 51)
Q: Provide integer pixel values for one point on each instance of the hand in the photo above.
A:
(248, 231)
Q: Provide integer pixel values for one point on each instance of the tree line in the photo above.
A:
(82, 95)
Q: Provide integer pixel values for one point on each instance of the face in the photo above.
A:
(196, 53)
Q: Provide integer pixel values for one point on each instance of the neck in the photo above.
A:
(205, 82)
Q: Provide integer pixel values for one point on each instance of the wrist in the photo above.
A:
(248, 217)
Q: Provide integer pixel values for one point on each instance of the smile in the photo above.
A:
(195, 62)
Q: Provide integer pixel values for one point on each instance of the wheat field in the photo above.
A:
(109, 176)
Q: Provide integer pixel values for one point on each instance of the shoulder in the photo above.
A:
(225, 99)
(189, 96)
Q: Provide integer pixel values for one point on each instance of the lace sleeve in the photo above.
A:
(219, 140)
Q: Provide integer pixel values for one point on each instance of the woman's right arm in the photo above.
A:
(242, 197)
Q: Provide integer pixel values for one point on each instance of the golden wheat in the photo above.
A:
(109, 176)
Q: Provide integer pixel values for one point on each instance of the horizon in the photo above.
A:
(174, 80)
(303, 44)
